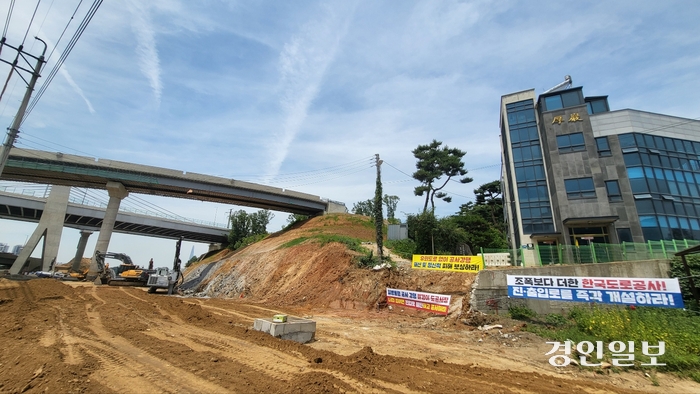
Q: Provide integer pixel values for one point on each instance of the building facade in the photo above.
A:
(576, 173)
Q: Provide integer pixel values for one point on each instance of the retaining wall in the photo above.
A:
(491, 284)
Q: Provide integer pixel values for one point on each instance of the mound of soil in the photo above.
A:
(310, 274)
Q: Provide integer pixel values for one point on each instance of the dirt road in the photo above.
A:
(80, 338)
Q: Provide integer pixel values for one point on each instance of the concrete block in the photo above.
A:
(294, 329)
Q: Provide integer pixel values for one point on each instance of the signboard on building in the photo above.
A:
(665, 293)
(434, 303)
(472, 264)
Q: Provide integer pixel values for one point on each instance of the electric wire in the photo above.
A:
(64, 31)
(7, 20)
(30, 22)
(48, 11)
(69, 47)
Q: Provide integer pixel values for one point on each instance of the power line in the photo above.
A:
(7, 20)
(64, 30)
(30, 22)
(69, 47)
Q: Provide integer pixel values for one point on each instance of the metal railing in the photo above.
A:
(594, 252)
(80, 198)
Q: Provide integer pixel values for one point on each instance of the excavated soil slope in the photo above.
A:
(311, 275)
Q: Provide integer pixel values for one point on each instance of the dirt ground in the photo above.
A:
(75, 337)
(79, 338)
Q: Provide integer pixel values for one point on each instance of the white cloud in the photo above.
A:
(149, 62)
(302, 65)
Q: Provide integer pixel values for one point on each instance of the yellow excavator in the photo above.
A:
(126, 274)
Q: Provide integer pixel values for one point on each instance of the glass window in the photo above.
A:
(632, 159)
(645, 206)
(599, 106)
(627, 140)
(571, 143)
(579, 188)
(635, 172)
(603, 146)
(648, 221)
(613, 189)
(624, 235)
(571, 99)
(553, 102)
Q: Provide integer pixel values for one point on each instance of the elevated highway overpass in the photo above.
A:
(121, 178)
(55, 168)
(85, 217)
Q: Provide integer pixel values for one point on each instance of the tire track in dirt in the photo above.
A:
(118, 355)
(268, 361)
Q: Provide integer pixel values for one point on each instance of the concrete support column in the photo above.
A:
(82, 243)
(117, 192)
(50, 228)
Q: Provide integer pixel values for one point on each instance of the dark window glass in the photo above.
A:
(649, 141)
(579, 188)
(679, 145)
(688, 145)
(639, 186)
(669, 144)
(645, 206)
(665, 162)
(603, 146)
(571, 99)
(613, 189)
(624, 235)
(589, 108)
(627, 140)
(553, 102)
(632, 159)
(599, 106)
(640, 140)
(571, 143)
(651, 234)
(514, 136)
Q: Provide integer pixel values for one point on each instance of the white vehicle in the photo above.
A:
(166, 278)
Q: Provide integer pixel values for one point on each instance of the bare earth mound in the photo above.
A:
(74, 337)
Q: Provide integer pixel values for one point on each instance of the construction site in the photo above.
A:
(80, 337)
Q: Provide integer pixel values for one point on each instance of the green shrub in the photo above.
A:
(555, 319)
(405, 248)
(521, 312)
(677, 328)
(249, 241)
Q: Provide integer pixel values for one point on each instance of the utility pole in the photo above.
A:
(14, 129)
(378, 217)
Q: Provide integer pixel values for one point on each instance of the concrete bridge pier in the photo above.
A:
(117, 192)
(50, 228)
(82, 243)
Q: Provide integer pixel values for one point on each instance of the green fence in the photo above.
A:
(605, 253)
(597, 252)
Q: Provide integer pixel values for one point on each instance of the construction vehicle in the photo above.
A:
(165, 278)
(126, 274)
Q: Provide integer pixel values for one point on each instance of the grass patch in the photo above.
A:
(404, 247)
(323, 239)
(676, 328)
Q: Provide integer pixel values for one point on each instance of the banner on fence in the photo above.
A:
(665, 293)
(435, 303)
(448, 263)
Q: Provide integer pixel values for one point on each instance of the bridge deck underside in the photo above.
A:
(56, 172)
(93, 223)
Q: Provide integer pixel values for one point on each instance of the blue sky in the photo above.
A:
(302, 94)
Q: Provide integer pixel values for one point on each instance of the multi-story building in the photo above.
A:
(575, 172)
(17, 249)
